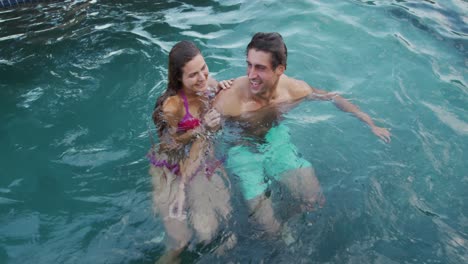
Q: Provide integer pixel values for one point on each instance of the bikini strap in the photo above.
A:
(184, 98)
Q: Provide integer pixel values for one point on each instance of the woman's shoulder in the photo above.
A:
(172, 105)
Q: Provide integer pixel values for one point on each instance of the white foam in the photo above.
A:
(212, 35)
(31, 96)
(448, 118)
(12, 36)
(104, 26)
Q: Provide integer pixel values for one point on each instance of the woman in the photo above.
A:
(186, 175)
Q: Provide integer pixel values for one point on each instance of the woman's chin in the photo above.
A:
(201, 89)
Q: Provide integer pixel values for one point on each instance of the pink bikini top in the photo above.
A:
(188, 121)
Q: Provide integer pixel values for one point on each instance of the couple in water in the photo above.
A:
(191, 187)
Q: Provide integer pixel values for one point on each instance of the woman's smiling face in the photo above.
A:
(195, 75)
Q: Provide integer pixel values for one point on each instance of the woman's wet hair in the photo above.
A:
(180, 54)
(273, 43)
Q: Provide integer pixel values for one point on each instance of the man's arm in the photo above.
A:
(346, 106)
(302, 89)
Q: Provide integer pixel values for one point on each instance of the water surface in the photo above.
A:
(78, 82)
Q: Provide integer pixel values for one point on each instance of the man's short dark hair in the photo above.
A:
(273, 43)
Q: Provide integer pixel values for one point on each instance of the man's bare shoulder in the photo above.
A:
(227, 101)
(296, 89)
(234, 93)
(239, 85)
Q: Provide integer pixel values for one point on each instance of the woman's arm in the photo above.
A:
(190, 166)
(195, 160)
(218, 86)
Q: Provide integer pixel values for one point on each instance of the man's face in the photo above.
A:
(260, 72)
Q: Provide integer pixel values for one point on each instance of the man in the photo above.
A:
(256, 101)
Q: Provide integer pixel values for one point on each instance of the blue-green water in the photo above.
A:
(78, 81)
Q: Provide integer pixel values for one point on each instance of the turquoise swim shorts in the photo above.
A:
(254, 168)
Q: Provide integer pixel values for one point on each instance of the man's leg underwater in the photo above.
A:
(247, 168)
(286, 166)
(304, 186)
(261, 209)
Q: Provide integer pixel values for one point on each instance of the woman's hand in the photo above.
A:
(212, 120)
(177, 207)
(224, 84)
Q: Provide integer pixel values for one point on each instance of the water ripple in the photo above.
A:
(211, 35)
(31, 96)
(186, 16)
(91, 157)
(458, 126)
(165, 45)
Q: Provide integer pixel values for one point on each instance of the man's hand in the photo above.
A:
(382, 133)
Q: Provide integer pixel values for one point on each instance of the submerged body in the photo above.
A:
(260, 153)
(256, 100)
(190, 187)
